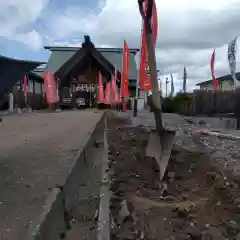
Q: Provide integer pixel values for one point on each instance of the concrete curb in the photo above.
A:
(55, 219)
(104, 209)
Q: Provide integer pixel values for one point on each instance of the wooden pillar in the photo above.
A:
(11, 107)
(34, 90)
(73, 90)
(21, 85)
(57, 86)
(58, 97)
(41, 89)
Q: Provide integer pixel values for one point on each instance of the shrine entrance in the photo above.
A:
(78, 77)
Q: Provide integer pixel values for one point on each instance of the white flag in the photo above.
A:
(232, 47)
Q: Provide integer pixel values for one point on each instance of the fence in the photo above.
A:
(211, 103)
(36, 101)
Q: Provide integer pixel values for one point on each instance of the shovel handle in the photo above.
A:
(156, 101)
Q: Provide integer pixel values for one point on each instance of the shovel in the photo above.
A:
(160, 140)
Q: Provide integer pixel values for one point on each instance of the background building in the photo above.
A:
(225, 83)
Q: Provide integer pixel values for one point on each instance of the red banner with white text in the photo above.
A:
(125, 69)
(108, 94)
(50, 87)
(144, 80)
(100, 93)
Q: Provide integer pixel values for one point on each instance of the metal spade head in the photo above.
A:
(160, 147)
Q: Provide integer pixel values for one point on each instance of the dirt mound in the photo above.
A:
(195, 201)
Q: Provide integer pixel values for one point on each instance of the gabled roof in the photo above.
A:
(35, 77)
(220, 79)
(39, 71)
(60, 55)
(11, 70)
(88, 51)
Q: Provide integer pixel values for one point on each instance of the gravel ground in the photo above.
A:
(37, 152)
(198, 199)
(225, 151)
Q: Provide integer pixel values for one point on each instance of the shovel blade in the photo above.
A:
(160, 147)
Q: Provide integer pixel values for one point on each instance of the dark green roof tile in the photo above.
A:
(57, 59)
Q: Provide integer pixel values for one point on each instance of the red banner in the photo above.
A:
(115, 93)
(145, 82)
(212, 70)
(100, 93)
(108, 94)
(50, 87)
(125, 69)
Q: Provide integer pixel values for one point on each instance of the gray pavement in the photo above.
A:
(37, 153)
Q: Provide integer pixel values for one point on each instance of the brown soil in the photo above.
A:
(195, 201)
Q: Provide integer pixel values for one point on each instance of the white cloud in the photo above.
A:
(32, 39)
(15, 18)
(188, 30)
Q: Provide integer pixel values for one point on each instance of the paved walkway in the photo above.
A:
(37, 152)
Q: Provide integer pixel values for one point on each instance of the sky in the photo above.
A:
(188, 31)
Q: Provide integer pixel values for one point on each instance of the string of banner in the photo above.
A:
(111, 94)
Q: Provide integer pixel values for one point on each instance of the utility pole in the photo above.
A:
(166, 86)
(160, 83)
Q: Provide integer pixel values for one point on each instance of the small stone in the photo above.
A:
(237, 209)
(207, 225)
(177, 223)
(191, 121)
(194, 233)
(171, 174)
(124, 212)
(213, 233)
(202, 122)
(232, 227)
(206, 235)
(192, 224)
(184, 197)
(238, 237)
(169, 198)
(182, 212)
(211, 177)
(182, 236)
(237, 201)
